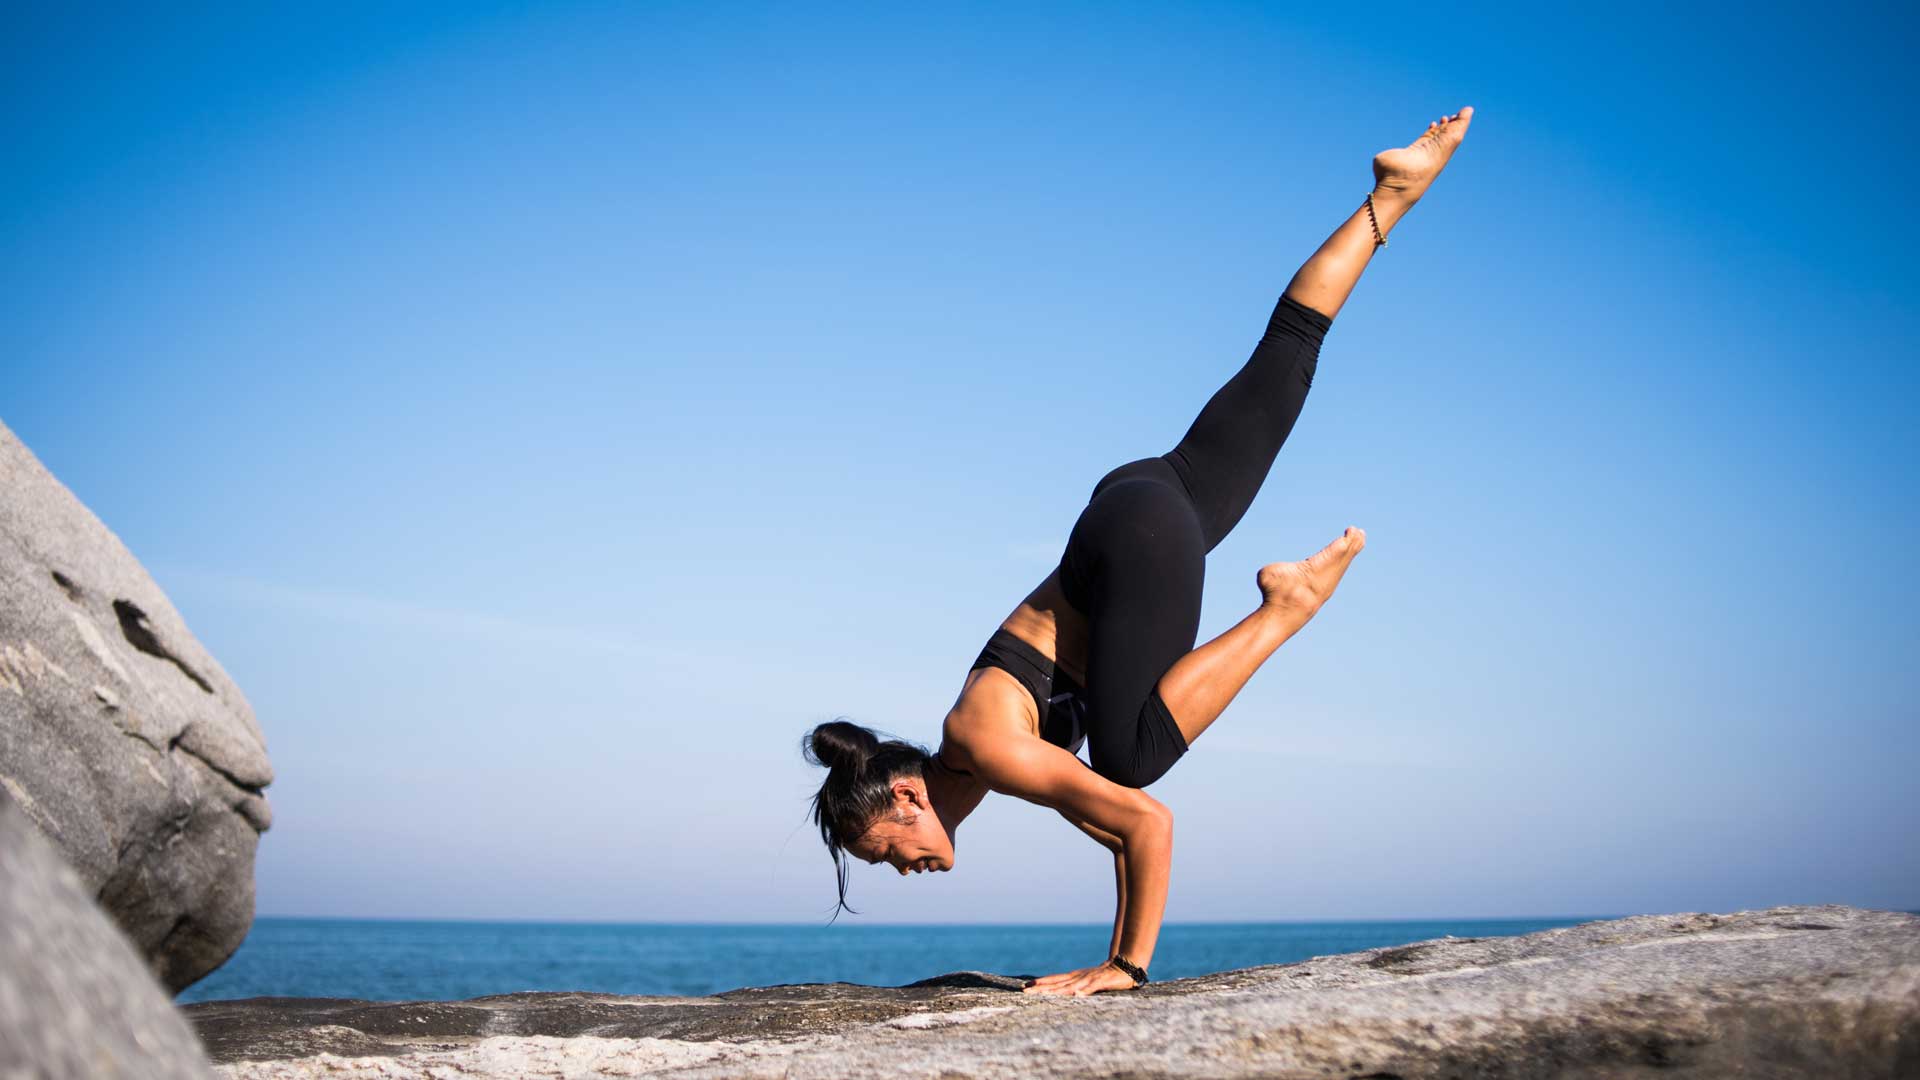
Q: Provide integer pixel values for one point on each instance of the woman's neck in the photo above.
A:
(953, 793)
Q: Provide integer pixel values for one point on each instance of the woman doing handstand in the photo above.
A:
(1102, 652)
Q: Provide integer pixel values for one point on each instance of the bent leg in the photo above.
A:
(1200, 685)
(1134, 565)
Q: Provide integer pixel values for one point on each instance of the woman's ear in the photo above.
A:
(908, 795)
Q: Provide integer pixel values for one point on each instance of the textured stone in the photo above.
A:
(75, 998)
(1789, 992)
(120, 737)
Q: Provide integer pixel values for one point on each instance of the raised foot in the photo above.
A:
(1405, 173)
(1300, 588)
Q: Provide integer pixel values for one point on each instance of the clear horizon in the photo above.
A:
(547, 416)
(848, 920)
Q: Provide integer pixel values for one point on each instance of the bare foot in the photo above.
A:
(1299, 588)
(1404, 174)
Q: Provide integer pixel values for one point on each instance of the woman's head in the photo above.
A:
(874, 805)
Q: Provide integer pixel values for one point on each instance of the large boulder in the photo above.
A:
(75, 998)
(1801, 992)
(120, 737)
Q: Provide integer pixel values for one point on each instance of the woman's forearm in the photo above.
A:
(1147, 858)
(1119, 848)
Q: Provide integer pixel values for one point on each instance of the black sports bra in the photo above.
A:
(1060, 700)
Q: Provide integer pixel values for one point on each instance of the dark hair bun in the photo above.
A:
(838, 745)
(858, 787)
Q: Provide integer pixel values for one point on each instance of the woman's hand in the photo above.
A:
(1043, 773)
(1081, 983)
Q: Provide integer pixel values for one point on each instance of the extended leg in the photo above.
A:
(1400, 178)
(1224, 457)
(1136, 560)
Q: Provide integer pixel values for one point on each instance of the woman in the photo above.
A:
(1102, 652)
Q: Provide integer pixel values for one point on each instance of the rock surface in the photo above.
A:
(119, 736)
(75, 998)
(1789, 992)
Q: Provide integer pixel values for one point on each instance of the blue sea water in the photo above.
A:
(383, 960)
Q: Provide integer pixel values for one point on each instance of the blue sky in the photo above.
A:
(548, 414)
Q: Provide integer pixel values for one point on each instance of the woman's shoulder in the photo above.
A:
(992, 706)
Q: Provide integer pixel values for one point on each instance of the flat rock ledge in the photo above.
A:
(1788, 992)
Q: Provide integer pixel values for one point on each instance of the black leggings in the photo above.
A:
(1136, 558)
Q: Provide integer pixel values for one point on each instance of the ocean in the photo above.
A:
(396, 960)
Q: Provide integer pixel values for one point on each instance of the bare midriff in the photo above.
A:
(1047, 622)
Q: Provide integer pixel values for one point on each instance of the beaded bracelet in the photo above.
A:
(1139, 973)
(1379, 238)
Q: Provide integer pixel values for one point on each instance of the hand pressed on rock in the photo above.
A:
(1081, 983)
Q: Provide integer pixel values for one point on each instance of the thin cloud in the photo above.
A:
(369, 609)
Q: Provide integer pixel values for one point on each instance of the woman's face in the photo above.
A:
(908, 837)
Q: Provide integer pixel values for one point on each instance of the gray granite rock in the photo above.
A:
(76, 1000)
(1791, 992)
(119, 736)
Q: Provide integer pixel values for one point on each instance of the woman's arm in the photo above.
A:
(1112, 843)
(1043, 773)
